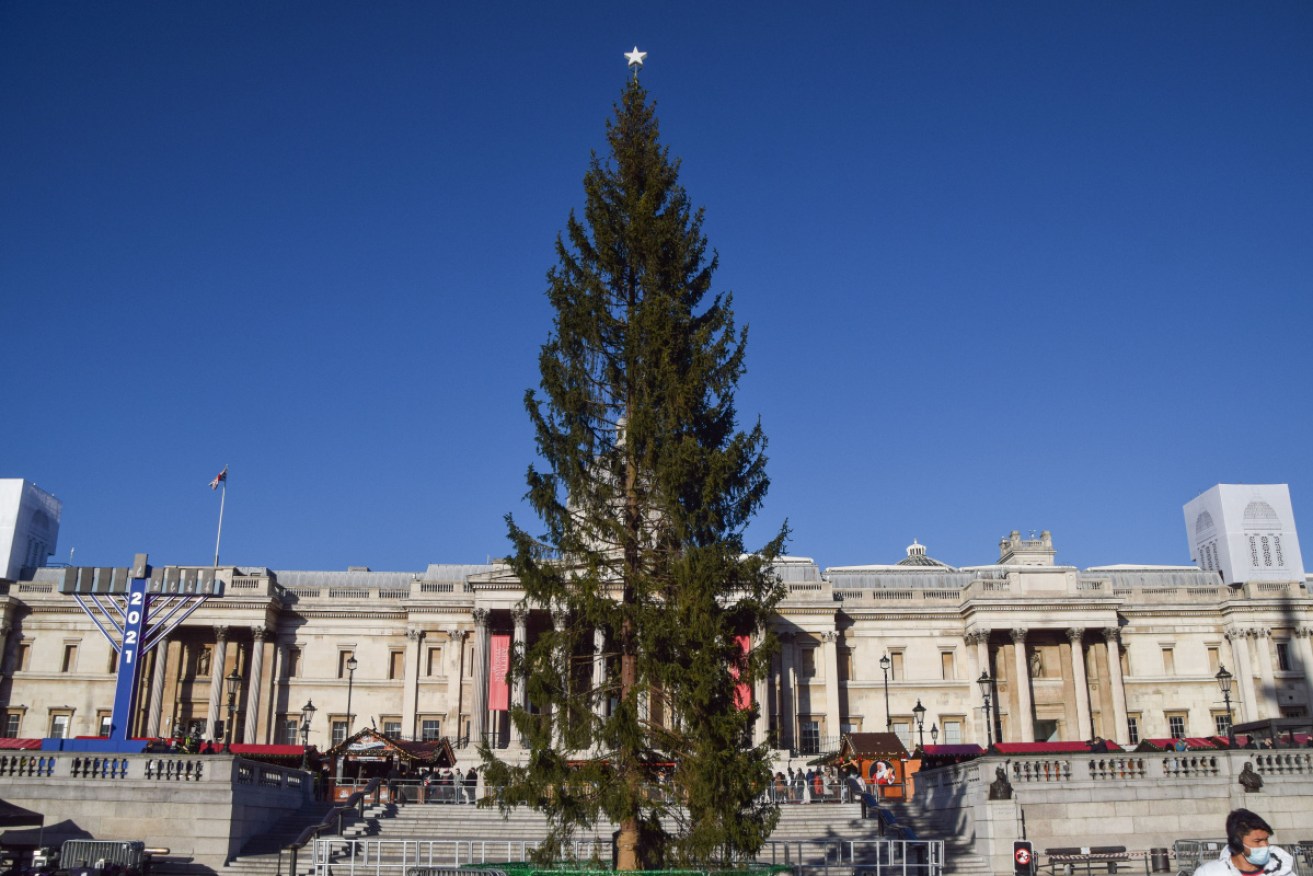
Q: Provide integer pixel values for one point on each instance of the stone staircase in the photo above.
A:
(260, 855)
(807, 834)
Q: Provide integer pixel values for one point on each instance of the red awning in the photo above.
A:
(20, 744)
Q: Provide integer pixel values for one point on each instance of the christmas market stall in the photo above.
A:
(371, 754)
(880, 759)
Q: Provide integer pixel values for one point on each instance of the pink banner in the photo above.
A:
(499, 693)
(742, 692)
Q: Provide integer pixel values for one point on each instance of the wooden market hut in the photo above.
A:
(372, 754)
(880, 759)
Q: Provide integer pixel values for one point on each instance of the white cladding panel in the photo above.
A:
(1246, 532)
(29, 526)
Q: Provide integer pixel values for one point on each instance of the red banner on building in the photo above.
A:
(742, 691)
(499, 693)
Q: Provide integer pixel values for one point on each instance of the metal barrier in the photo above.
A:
(77, 855)
(397, 857)
(439, 857)
(1190, 853)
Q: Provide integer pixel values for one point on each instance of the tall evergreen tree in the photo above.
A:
(649, 485)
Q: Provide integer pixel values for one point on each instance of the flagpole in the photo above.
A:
(222, 497)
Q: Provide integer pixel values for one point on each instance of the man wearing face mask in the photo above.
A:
(1247, 851)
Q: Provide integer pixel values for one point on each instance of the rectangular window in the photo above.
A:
(59, 726)
(1283, 656)
(1214, 660)
(113, 661)
(903, 727)
(1294, 712)
(11, 724)
(392, 727)
(1133, 729)
(293, 662)
(435, 662)
(1222, 723)
(21, 656)
(291, 731)
(807, 669)
(1176, 725)
(430, 729)
(895, 665)
(850, 726)
(342, 658)
(102, 723)
(339, 732)
(396, 665)
(1169, 661)
(952, 734)
(810, 732)
(845, 656)
(70, 662)
(947, 669)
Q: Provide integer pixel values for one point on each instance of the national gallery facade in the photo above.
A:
(1121, 652)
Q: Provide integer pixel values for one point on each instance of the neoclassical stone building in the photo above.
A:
(1122, 652)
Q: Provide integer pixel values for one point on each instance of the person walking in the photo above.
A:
(1248, 851)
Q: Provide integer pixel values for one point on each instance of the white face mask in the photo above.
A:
(1258, 856)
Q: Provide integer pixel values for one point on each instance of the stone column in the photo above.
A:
(830, 660)
(1024, 729)
(599, 672)
(760, 697)
(788, 702)
(410, 695)
(977, 651)
(982, 652)
(562, 660)
(254, 683)
(1304, 642)
(161, 654)
(1244, 673)
(1121, 726)
(1085, 727)
(217, 664)
(479, 699)
(1266, 699)
(520, 645)
(5, 629)
(280, 689)
(455, 654)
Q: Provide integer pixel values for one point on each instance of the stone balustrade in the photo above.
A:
(1137, 799)
(204, 806)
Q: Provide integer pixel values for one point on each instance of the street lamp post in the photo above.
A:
(351, 665)
(307, 713)
(919, 711)
(234, 682)
(986, 683)
(1224, 682)
(888, 719)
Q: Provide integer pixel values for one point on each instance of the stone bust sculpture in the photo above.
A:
(1251, 780)
(1001, 788)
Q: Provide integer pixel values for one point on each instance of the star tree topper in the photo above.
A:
(635, 60)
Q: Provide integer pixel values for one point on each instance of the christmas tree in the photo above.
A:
(646, 492)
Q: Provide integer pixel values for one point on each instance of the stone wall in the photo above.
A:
(203, 807)
(1140, 801)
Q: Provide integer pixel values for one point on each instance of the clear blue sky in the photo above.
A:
(1005, 265)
